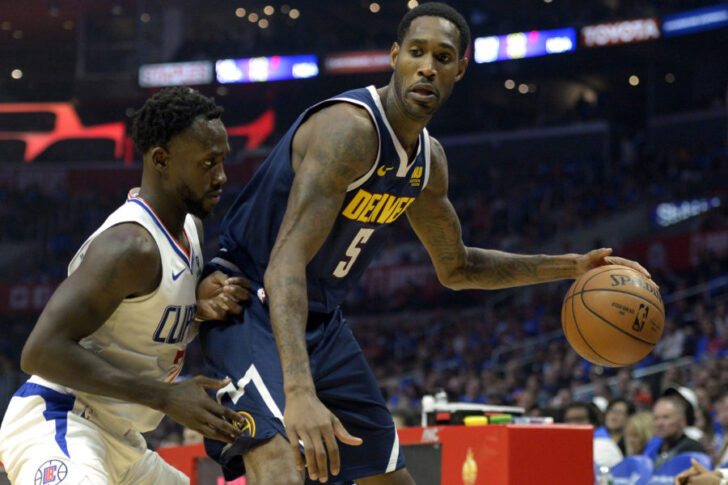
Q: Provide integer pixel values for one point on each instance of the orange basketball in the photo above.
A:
(613, 315)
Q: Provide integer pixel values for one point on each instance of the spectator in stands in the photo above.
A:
(670, 439)
(720, 449)
(615, 420)
(672, 341)
(606, 451)
(640, 428)
(690, 400)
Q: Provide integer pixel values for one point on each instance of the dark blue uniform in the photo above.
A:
(246, 351)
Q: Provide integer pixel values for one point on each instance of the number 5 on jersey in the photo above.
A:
(353, 251)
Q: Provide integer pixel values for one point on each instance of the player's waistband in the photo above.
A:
(223, 260)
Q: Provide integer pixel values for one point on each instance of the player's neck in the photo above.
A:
(171, 215)
(405, 127)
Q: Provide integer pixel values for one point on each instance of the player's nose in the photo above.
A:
(220, 177)
(427, 67)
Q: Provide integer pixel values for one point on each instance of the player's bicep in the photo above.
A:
(337, 146)
(434, 220)
(121, 262)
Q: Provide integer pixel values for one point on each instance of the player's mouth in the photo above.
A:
(214, 196)
(423, 92)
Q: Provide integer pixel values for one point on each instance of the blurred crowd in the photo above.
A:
(498, 347)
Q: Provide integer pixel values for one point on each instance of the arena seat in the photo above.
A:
(667, 472)
(633, 470)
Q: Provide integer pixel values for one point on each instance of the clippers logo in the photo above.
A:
(248, 426)
(172, 327)
(641, 318)
(51, 472)
(416, 179)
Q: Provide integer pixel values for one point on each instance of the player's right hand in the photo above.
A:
(188, 403)
(309, 421)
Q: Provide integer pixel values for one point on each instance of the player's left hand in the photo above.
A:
(219, 296)
(603, 256)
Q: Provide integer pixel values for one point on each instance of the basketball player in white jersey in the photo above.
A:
(106, 350)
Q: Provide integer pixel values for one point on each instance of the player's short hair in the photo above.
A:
(436, 9)
(169, 112)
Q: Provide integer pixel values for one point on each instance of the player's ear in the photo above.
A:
(160, 158)
(462, 66)
(393, 54)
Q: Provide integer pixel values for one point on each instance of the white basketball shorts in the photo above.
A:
(44, 440)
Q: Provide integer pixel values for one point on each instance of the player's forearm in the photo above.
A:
(285, 284)
(491, 269)
(68, 364)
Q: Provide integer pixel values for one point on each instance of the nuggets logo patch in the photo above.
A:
(51, 472)
(248, 427)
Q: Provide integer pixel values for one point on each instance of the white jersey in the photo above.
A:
(145, 336)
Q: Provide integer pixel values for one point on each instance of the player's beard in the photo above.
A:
(194, 206)
(401, 94)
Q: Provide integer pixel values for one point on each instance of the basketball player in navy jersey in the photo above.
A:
(106, 350)
(306, 227)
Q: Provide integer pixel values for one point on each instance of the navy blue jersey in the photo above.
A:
(372, 204)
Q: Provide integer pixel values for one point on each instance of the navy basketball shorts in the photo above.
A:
(245, 350)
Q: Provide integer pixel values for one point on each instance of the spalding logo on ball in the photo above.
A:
(613, 315)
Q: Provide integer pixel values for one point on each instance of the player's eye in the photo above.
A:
(208, 163)
(445, 58)
(415, 52)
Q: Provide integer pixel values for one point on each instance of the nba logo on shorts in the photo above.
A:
(51, 472)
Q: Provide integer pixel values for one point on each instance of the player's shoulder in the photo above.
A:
(342, 131)
(346, 116)
(437, 152)
(128, 242)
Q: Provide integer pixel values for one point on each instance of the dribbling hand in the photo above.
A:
(309, 421)
(187, 403)
(603, 256)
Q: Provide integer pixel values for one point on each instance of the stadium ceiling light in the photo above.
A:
(669, 78)
(6, 25)
(412, 4)
(240, 12)
(523, 88)
(68, 25)
(634, 80)
(263, 23)
(17, 34)
(294, 13)
(374, 7)
(145, 17)
(269, 10)
(253, 17)
(509, 84)
(285, 9)
(16, 74)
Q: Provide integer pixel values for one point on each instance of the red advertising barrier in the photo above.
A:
(510, 454)
(678, 252)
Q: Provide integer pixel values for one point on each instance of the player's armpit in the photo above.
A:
(436, 223)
